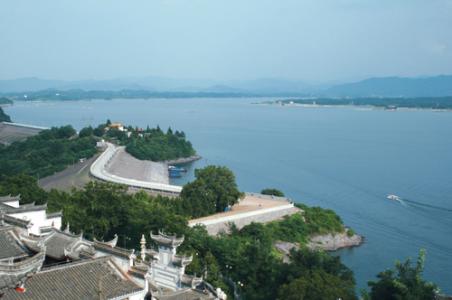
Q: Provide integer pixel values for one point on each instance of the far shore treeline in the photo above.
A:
(424, 102)
(101, 210)
(384, 102)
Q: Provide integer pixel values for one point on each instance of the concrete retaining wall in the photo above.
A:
(215, 226)
(98, 170)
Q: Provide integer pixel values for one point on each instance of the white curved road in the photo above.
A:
(99, 171)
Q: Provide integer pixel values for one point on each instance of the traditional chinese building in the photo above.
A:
(32, 218)
(167, 268)
(63, 265)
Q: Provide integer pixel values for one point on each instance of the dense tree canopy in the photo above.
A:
(146, 144)
(248, 263)
(155, 145)
(101, 210)
(24, 185)
(403, 283)
(213, 191)
(87, 131)
(46, 153)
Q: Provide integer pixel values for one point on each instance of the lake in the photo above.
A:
(346, 159)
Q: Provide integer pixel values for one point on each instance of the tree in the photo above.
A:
(101, 210)
(316, 284)
(403, 283)
(213, 190)
(99, 130)
(272, 192)
(87, 131)
(156, 145)
(63, 132)
(44, 154)
(25, 186)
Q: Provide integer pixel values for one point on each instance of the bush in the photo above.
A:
(213, 190)
(272, 192)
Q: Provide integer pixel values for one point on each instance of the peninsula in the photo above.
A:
(392, 103)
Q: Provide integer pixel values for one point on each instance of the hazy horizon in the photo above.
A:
(309, 41)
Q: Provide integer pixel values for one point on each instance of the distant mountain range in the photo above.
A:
(435, 86)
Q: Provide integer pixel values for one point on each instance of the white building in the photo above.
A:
(33, 218)
(167, 268)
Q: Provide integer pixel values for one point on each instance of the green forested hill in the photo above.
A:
(46, 153)
(146, 144)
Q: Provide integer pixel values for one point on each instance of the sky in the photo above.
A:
(314, 41)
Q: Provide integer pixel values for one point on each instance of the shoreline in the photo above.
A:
(183, 160)
(334, 241)
(329, 242)
(362, 107)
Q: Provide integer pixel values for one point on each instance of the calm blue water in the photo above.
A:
(340, 158)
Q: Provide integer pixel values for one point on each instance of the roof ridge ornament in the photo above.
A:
(67, 229)
(2, 217)
(168, 240)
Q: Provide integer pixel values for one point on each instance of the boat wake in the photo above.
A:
(420, 204)
(414, 203)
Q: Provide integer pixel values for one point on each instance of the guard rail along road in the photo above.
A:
(98, 170)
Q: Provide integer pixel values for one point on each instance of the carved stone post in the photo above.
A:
(143, 247)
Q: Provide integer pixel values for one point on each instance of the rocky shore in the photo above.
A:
(183, 160)
(325, 242)
(333, 242)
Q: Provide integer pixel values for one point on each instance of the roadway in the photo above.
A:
(99, 170)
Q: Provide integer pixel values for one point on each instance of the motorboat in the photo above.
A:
(393, 197)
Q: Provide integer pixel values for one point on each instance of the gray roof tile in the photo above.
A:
(9, 198)
(86, 279)
(10, 247)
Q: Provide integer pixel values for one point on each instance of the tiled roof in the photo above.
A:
(16, 273)
(167, 240)
(188, 294)
(23, 208)
(117, 251)
(54, 214)
(9, 245)
(9, 198)
(16, 221)
(190, 280)
(181, 260)
(58, 243)
(88, 279)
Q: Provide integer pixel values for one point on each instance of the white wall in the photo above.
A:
(38, 219)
